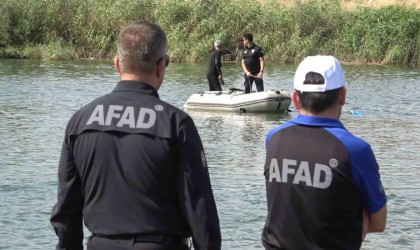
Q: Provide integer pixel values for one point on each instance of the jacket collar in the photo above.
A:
(136, 86)
(317, 121)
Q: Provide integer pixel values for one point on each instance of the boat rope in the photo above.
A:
(275, 87)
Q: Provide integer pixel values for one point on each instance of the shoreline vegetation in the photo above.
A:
(355, 31)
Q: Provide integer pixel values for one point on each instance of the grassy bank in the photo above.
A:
(86, 29)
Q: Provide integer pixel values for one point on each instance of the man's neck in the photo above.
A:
(330, 113)
(135, 77)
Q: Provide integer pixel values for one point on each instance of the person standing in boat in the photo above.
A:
(252, 63)
(322, 183)
(214, 67)
(132, 167)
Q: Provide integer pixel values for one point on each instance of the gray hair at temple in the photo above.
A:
(218, 44)
(141, 45)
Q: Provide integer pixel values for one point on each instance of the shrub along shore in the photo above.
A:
(86, 29)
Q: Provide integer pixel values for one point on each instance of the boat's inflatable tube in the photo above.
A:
(235, 100)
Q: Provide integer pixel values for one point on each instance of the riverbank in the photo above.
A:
(288, 30)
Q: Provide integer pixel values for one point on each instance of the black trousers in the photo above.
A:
(249, 80)
(214, 83)
(102, 243)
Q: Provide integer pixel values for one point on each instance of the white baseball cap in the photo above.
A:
(327, 66)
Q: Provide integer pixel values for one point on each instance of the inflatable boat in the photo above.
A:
(237, 101)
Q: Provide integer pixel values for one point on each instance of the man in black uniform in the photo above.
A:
(214, 67)
(252, 63)
(132, 166)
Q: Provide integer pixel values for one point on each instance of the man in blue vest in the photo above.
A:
(323, 184)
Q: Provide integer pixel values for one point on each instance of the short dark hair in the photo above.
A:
(248, 36)
(317, 102)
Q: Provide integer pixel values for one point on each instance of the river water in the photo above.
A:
(37, 98)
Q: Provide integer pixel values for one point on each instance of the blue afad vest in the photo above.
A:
(319, 178)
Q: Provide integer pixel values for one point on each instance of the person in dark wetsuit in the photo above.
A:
(252, 63)
(214, 67)
(133, 167)
(322, 183)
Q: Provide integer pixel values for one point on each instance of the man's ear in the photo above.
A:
(117, 64)
(342, 96)
(160, 69)
(295, 99)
